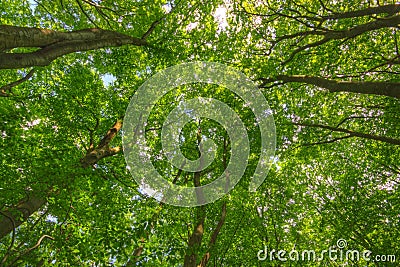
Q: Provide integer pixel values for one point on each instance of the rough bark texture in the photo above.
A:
(14, 217)
(54, 44)
(391, 89)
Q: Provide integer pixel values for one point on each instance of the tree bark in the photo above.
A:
(391, 89)
(388, 140)
(329, 35)
(386, 22)
(14, 217)
(213, 240)
(390, 9)
(5, 90)
(195, 239)
(54, 44)
(136, 254)
(103, 150)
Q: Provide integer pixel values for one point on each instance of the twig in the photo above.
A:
(86, 14)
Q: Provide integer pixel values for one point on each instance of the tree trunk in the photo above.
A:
(213, 240)
(195, 239)
(14, 217)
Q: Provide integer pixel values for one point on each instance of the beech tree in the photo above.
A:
(329, 71)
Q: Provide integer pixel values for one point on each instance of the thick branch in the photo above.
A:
(111, 133)
(54, 44)
(352, 133)
(17, 215)
(103, 150)
(219, 226)
(388, 9)
(374, 88)
(393, 21)
(196, 237)
(99, 153)
(7, 254)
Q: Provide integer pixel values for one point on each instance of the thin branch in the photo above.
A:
(6, 90)
(99, 10)
(231, 239)
(325, 7)
(388, 62)
(86, 14)
(179, 173)
(97, 6)
(329, 141)
(48, 12)
(91, 131)
(119, 180)
(151, 29)
(155, 23)
(385, 139)
(356, 117)
(31, 248)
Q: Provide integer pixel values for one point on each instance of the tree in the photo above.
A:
(329, 71)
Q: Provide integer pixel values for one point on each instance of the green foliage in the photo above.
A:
(316, 192)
